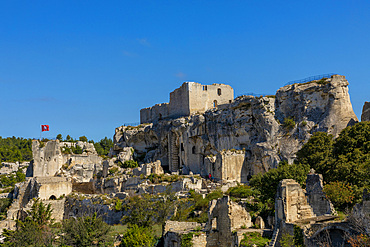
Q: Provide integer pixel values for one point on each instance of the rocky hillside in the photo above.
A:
(261, 130)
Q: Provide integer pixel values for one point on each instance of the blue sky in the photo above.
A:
(87, 67)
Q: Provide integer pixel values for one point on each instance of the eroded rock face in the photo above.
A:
(366, 112)
(291, 203)
(316, 196)
(48, 160)
(252, 133)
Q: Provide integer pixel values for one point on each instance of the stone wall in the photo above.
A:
(366, 112)
(254, 124)
(204, 97)
(189, 98)
(179, 101)
(316, 196)
(180, 226)
(291, 203)
(231, 165)
(47, 160)
(52, 187)
(156, 112)
(225, 217)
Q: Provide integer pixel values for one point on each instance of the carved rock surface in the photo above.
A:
(264, 130)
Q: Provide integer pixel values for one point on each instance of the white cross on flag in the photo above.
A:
(44, 127)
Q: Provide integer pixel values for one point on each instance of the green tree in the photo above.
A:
(69, 138)
(59, 137)
(141, 211)
(34, 230)
(14, 149)
(316, 152)
(103, 146)
(340, 194)
(86, 231)
(83, 138)
(137, 236)
(268, 182)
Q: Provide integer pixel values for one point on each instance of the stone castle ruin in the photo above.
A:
(202, 131)
(188, 99)
(245, 136)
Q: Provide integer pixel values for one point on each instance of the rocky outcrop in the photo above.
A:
(291, 203)
(50, 157)
(366, 112)
(251, 134)
(316, 196)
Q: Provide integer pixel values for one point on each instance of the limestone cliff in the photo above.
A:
(259, 131)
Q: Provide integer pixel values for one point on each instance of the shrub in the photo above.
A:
(186, 240)
(289, 123)
(113, 170)
(137, 236)
(128, 164)
(253, 238)
(86, 231)
(341, 194)
(241, 191)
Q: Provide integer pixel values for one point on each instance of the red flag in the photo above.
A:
(44, 127)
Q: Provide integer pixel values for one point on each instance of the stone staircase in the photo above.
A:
(273, 240)
(19, 194)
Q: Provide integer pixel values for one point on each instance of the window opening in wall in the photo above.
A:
(219, 91)
(215, 103)
(230, 101)
(182, 146)
(52, 197)
(204, 88)
(193, 150)
(160, 116)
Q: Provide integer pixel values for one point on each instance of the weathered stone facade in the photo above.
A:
(190, 98)
(291, 203)
(316, 196)
(49, 159)
(253, 126)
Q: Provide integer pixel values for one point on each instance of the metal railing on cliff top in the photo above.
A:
(311, 78)
(308, 79)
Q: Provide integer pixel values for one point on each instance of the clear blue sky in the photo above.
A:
(87, 67)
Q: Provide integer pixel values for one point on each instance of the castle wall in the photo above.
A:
(190, 98)
(154, 113)
(204, 97)
(179, 101)
(230, 166)
(53, 186)
(47, 160)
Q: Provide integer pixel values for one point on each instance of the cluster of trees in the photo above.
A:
(102, 147)
(344, 163)
(39, 229)
(14, 149)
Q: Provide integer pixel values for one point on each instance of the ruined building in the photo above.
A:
(244, 136)
(188, 99)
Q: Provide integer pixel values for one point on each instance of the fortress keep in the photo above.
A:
(190, 98)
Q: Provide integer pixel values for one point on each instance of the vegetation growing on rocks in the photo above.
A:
(14, 149)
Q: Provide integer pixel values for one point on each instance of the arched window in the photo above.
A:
(52, 197)
(219, 91)
(215, 103)
(193, 150)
